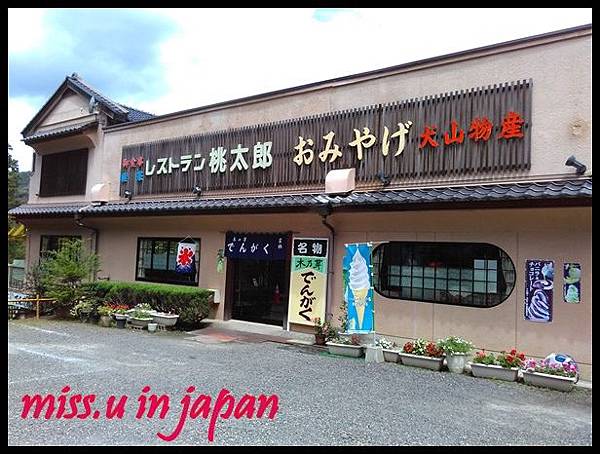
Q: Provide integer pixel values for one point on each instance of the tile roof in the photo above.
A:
(399, 198)
(59, 132)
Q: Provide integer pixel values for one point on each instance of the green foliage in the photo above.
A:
(64, 271)
(16, 197)
(190, 303)
(453, 345)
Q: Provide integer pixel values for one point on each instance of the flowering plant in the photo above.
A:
(545, 367)
(482, 357)
(453, 345)
(324, 329)
(511, 359)
(105, 309)
(383, 342)
(422, 347)
(119, 309)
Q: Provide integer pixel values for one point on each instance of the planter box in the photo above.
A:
(493, 371)
(143, 322)
(354, 351)
(391, 356)
(164, 319)
(549, 381)
(421, 361)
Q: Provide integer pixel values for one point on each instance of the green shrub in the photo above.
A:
(190, 303)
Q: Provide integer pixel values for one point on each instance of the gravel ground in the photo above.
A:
(323, 400)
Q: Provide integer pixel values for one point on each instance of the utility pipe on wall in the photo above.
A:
(325, 212)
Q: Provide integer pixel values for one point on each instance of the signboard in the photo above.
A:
(539, 287)
(358, 288)
(259, 246)
(572, 283)
(308, 280)
(459, 133)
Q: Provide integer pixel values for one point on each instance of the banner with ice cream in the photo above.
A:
(358, 288)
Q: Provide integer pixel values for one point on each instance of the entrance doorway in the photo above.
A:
(260, 290)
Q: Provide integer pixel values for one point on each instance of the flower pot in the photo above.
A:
(390, 356)
(152, 327)
(426, 362)
(557, 382)
(121, 322)
(105, 320)
(354, 351)
(164, 319)
(320, 339)
(493, 371)
(456, 362)
(143, 322)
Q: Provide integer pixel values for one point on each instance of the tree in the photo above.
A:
(65, 270)
(16, 247)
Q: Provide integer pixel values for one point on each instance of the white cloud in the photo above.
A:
(20, 112)
(25, 29)
(223, 54)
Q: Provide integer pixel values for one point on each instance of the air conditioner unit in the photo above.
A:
(100, 193)
(340, 181)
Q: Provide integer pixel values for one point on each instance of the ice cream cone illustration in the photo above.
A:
(359, 283)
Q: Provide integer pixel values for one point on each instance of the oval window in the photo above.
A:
(463, 274)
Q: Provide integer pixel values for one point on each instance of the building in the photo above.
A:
(472, 176)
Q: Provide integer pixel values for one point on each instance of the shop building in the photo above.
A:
(469, 173)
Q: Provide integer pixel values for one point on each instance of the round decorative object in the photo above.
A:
(560, 359)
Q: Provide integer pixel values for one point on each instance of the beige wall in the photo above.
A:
(522, 233)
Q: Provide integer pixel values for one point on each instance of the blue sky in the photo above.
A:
(163, 60)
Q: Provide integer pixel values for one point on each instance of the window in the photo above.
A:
(54, 242)
(64, 173)
(156, 259)
(467, 274)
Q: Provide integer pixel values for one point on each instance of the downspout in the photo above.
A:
(324, 214)
(78, 218)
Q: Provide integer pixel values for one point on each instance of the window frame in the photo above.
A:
(47, 190)
(196, 283)
(502, 253)
(42, 237)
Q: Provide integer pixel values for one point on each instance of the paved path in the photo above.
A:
(323, 400)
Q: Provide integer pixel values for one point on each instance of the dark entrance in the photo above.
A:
(259, 290)
(258, 275)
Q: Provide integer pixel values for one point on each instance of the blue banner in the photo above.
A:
(358, 288)
(259, 246)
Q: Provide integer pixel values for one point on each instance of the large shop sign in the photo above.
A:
(475, 130)
(258, 246)
(308, 280)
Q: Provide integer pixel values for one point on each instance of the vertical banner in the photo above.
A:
(358, 288)
(572, 283)
(539, 287)
(308, 280)
(186, 258)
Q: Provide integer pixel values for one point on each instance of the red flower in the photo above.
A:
(510, 358)
(521, 356)
(408, 347)
(513, 352)
(185, 256)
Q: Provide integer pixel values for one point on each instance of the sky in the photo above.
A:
(166, 60)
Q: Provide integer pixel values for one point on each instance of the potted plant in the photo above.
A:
(119, 313)
(456, 349)
(422, 353)
(164, 318)
(504, 366)
(346, 347)
(559, 376)
(324, 332)
(389, 352)
(82, 310)
(140, 317)
(105, 311)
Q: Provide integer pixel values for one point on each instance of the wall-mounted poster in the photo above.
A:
(358, 288)
(539, 287)
(186, 258)
(308, 280)
(572, 283)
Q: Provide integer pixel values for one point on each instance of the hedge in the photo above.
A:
(191, 303)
